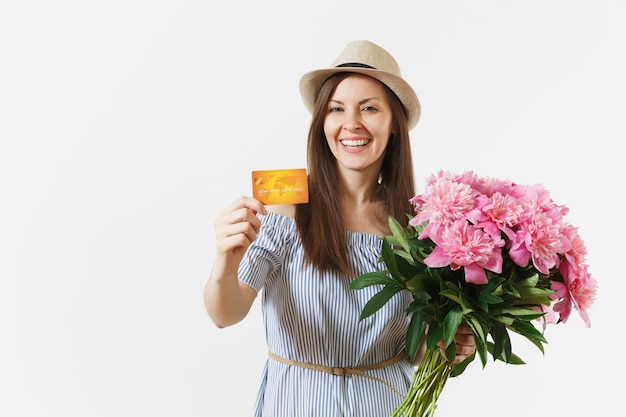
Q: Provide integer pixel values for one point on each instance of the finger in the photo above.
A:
(236, 214)
(248, 203)
(238, 222)
(235, 237)
(242, 220)
(462, 353)
(464, 339)
(464, 329)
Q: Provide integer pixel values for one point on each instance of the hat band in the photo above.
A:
(354, 65)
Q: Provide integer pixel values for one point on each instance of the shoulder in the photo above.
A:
(287, 210)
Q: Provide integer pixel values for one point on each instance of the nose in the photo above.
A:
(352, 121)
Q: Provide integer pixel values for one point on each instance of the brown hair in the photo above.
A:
(320, 223)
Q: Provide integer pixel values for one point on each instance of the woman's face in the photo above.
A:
(358, 123)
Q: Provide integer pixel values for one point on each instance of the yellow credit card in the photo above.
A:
(280, 186)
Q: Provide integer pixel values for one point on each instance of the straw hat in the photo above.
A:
(364, 57)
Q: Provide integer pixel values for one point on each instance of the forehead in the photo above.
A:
(360, 86)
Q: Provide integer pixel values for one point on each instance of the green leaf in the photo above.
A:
(516, 311)
(479, 337)
(482, 350)
(405, 256)
(494, 284)
(510, 289)
(434, 335)
(371, 278)
(535, 292)
(417, 282)
(474, 324)
(538, 344)
(390, 261)
(534, 296)
(507, 321)
(398, 232)
(459, 368)
(452, 295)
(485, 298)
(513, 360)
(416, 305)
(502, 342)
(529, 331)
(406, 268)
(530, 317)
(378, 300)
(415, 333)
(531, 281)
(451, 323)
(451, 351)
(422, 297)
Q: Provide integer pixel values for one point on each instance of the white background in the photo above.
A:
(126, 126)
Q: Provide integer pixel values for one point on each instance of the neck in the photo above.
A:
(365, 215)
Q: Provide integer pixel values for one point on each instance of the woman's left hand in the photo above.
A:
(465, 344)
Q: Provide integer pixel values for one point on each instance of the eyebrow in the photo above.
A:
(365, 100)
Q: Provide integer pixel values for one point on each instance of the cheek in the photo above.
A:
(387, 132)
(329, 129)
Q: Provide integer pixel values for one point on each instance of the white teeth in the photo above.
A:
(354, 143)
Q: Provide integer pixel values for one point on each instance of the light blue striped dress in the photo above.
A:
(315, 319)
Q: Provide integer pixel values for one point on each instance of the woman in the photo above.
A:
(324, 361)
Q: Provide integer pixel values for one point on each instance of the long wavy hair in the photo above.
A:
(320, 223)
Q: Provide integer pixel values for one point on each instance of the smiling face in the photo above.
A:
(358, 124)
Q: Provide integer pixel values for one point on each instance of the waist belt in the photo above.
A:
(351, 370)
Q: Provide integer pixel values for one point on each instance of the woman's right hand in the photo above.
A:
(236, 228)
(226, 299)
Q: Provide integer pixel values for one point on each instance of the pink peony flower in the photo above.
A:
(443, 203)
(578, 290)
(578, 251)
(542, 240)
(463, 245)
(503, 211)
(490, 186)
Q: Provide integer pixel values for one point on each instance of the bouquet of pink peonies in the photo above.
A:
(492, 254)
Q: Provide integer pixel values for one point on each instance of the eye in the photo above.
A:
(334, 109)
(369, 108)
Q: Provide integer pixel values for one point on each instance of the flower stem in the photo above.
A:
(429, 379)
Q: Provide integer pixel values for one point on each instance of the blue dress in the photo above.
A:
(314, 318)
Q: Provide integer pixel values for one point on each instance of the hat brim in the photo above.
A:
(311, 82)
